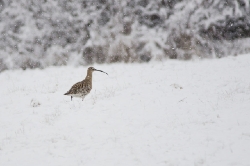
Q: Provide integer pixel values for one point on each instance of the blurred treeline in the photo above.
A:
(40, 33)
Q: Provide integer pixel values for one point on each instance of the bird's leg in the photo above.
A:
(71, 98)
(83, 98)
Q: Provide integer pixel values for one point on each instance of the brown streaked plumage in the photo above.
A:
(81, 89)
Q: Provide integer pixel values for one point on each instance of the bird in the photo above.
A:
(83, 88)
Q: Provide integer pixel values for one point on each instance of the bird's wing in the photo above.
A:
(74, 88)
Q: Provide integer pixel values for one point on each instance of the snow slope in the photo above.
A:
(161, 113)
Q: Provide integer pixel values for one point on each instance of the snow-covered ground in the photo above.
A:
(161, 113)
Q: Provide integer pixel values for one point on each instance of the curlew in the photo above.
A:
(82, 88)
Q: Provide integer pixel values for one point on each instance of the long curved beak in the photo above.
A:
(101, 71)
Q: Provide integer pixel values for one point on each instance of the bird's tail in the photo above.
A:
(66, 93)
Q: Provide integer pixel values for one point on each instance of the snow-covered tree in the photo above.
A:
(39, 33)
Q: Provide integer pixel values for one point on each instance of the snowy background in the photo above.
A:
(41, 33)
(178, 94)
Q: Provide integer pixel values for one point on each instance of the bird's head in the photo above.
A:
(91, 69)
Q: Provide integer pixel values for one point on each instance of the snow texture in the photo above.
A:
(167, 113)
(41, 33)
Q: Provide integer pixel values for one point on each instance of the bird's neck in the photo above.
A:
(89, 76)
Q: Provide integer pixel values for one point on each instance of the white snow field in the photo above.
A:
(185, 113)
